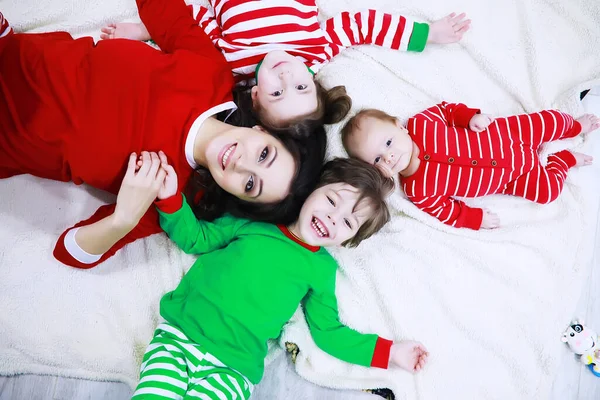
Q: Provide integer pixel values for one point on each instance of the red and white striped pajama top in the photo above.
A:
(246, 30)
(458, 162)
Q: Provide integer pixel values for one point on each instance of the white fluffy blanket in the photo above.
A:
(490, 306)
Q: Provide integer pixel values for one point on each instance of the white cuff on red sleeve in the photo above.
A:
(77, 252)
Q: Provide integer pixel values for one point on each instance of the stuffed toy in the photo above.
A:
(584, 342)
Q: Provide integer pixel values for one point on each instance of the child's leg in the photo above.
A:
(163, 374)
(549, 125)
(543, 184)
(175, 367)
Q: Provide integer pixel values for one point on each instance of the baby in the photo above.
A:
(451, 150)
(277, 46)
(249, 280)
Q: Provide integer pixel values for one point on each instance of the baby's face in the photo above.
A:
(285, 88)
(332, 214)
(385, 144)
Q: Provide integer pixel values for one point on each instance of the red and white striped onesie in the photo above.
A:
(456, 161)
(246, 30)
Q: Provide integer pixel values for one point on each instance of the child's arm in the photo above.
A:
(171, 25)
(451, 114)
(179, 222)
(393, 31)
(369, 350)
(455, 212)
(191, 235)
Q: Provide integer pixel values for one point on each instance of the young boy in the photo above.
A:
(249, 281)
(451, 150)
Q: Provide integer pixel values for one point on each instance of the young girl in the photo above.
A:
(282, 44)
(250, 278)
(451, 150)
(73, 111)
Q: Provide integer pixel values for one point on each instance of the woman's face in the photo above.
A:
(251, 165)
(285, 88)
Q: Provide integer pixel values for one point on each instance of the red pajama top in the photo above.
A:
(458, 162)
(71, 110)
(246, 30)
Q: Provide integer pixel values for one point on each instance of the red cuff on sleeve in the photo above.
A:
(171, 204)
(381, 355)
(575, 130)
(567, 157)
(463, 115)
(470, 218)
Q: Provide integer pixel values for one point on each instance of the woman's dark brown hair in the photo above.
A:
(373, 188)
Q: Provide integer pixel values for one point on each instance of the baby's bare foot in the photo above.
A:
(582, 159)
(125, 30)
(589, 122)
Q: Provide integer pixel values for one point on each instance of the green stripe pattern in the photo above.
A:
(176, 368)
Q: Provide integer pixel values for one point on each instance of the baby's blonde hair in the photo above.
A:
(354, 123)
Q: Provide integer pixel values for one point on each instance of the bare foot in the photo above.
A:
(125, 30)
(589, 122)
(582, 159)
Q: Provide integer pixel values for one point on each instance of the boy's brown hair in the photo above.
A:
(373, 187)
(354, 123)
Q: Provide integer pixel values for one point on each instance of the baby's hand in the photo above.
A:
(489, 220)
(125, 30)
(480, 122)
(169, 185)
(449, 29)
(408, 355)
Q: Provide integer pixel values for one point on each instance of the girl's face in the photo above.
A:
(385, 144)
(331, 215)
(251, 165)
(285, 88)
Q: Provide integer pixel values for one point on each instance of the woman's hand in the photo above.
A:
(480, 122)
(169, 185)
(408, 355)
(139, 189)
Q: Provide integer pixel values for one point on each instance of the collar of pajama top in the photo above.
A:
(246, 30)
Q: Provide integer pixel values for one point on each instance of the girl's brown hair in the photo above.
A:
(373, 187)
(332, 106)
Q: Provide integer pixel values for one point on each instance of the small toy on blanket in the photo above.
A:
(584, 341)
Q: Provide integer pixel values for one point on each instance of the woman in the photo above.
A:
(74, 111)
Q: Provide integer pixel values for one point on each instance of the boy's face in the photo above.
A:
(331, 215)
(285, 88)
(385, 144)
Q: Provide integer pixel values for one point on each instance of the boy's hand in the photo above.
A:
(408, 355)
(449, 29)
(489, 220)
(169, 185)
(480, 122)
(139, 188)
(125, 30)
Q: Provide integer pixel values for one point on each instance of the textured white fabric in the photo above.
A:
(490, 306)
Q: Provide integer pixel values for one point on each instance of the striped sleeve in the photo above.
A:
(450, 211)
(451, 114)
(391, 31)
(205, 18)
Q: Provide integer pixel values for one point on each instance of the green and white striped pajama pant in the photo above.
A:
(176, 368)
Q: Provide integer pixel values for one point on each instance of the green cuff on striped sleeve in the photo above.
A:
(419, 36)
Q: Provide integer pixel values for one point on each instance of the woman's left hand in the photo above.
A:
(141, 184)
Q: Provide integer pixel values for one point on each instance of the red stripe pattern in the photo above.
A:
(246, 30)
(457, 162)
